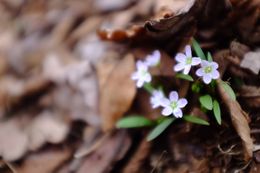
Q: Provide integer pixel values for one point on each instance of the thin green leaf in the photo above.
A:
(159, 128)
(184, 76)
(134, 121)
(228, 90)
(216, 111)
(198, 49)
(206, 101)
(196, 120)
(209, 57)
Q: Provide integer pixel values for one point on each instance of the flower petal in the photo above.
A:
(214, 65)
(182, 102)
(187, 69)
(141, 65)
(200, 72)
(165, 102)
(204, 63)
(155, 104)
(173, 96)
(167, 111)
(177, 113)
(195, 61)
(180, 57)
(156, 54)
(153, 59)
(188, 51)
(139, 83)
(147, 77)
(215, 74)
(179, 67)
(206, 78)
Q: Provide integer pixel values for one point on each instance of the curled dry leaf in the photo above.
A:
(240, 121)
(120, 35)
(118, 92)
(14, 141)
(166, 8)
(163, 30)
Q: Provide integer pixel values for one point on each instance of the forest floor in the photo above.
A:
(65, 81)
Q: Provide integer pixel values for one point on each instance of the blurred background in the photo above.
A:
(65, 68)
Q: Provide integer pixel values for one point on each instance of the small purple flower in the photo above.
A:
(185, 61)
(142, 74)
(208, 71)
(156, 98)
(173, 105)
(153, 59)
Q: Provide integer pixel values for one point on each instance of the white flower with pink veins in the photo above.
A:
(208, 71)
(185, 61)
(153, 59)
(173, 105)
(142, 74)
(156, 98)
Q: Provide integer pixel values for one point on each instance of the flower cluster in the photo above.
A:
(142, 74)
(173, 104)
(208, 70)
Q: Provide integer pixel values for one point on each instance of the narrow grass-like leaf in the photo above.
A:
(159, 128)
(198, 49)
(196, 120)
(228, 90)
(184, 76)
(134, 121)
(217, 111)
(209, 57)
(206, 101)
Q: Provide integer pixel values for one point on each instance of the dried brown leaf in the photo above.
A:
(135, 165)
(114, 147)
(13, 91)
(238, 49)
(240, 120)
(166, 8)
(46, 128)
(44, 162)
(251, 95)
(117, 94)
(13, 140)
(251, 61)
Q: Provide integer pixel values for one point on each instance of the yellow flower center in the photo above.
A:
(208, 69)
(188, 60)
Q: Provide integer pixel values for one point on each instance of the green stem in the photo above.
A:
(148, 87)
